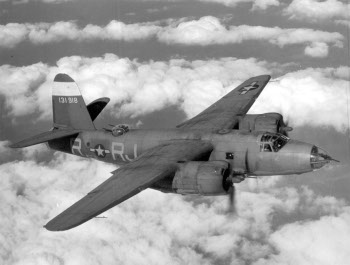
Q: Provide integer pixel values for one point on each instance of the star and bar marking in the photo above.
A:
(100, 151)
(246, 89)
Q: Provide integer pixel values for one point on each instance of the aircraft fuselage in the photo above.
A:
(242, 150)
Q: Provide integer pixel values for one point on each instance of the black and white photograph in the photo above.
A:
(174, 132)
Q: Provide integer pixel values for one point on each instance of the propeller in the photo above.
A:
(232, 199)
(231, 190)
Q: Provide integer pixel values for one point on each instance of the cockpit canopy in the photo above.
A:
(272, 142)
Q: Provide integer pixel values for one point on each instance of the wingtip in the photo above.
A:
(264, 78)
(57, 224)
(49, 228)
(53, 228)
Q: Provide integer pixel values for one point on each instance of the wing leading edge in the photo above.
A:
(224, 113)
(128, 180)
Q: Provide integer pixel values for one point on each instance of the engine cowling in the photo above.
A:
(205, 178)
(267, 122)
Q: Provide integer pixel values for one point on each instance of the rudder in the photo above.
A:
(68, 105)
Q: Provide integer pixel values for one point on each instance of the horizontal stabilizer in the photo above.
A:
(44, 137)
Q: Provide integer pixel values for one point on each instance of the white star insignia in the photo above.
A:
(99, 151)
(246, 89)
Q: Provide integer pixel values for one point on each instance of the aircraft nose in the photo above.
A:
(319, 158)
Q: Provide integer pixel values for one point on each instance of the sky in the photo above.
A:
(162, 62)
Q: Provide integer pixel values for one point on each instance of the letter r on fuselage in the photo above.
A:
(76, 146)
(118, 149)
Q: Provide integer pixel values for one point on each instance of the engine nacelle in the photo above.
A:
(205, 178)
(267, 122)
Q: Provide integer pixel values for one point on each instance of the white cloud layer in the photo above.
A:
(39, 33)
(209, 30)
(313, 96)
(157, 228)
(257, 4)
(204, 31)
(317, 49)
(334, 229)
(317, 10)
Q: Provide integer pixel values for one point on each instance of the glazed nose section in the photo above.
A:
(319, 158)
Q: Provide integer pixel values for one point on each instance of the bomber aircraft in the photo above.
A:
(205, 155)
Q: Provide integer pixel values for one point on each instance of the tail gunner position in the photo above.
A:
(205, 155)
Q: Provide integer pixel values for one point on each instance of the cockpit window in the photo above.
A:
(265, 148)
(272, 142)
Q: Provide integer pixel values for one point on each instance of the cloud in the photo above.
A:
(312, 96)
(6, 153)
(204, 31)
(209, 30)
(12, 34)
(257, 4)
(40, 33)
(305, 241)
(20, 85)
(317, 10)
(343, 22)
(317, 49)
(157, 228)
(135, 88)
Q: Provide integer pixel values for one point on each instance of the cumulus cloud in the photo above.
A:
(20, 86)
(209, 30)
(317, 49)
(257, 4)
(343, 22)
(204, 31)
(138, 88)
(39, 33)
(306, 249)
(313, 96)
(157, 228)
(316, 9)
(12, 34)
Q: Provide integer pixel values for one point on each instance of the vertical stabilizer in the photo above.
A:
(69, 109)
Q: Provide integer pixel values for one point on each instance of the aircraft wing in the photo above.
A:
(128, 180)
(224, 113)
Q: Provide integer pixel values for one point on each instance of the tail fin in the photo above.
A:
(68, 106)
(70, 114)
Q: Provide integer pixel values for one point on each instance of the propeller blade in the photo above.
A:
(232, 200)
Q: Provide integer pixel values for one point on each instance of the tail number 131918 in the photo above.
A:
(67, 100)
